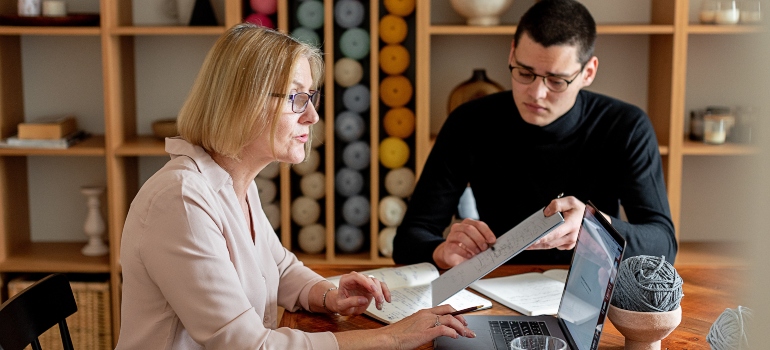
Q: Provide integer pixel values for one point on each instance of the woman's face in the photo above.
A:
(293, 129)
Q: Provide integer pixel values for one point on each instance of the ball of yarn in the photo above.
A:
(647, 284)
(729, 330)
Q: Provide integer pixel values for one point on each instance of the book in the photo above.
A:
(48, 128)
(531, 294)
(410, 292)
(60, 143)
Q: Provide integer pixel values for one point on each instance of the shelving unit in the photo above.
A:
(121, 146)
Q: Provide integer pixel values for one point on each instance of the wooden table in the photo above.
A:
(708, 290)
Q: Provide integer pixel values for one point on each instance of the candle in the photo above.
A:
(54, 8)
(728, 13)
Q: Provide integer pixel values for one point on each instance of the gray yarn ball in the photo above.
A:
(349, 126)
(349, 238)
(647, 284)
(729, 330)
(356, 155)
(356, 210)
(357, 98)
(349, 182)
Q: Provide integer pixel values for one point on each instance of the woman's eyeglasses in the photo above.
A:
(299, 100)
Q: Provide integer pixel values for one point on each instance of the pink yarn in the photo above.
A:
(260, 19)
(267, 7)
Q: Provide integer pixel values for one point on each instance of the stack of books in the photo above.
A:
(49, 132)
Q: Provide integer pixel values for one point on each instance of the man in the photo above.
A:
(520, 149)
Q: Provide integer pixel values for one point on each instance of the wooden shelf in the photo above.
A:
(694, 148)
(642, 29)
(92, 146)
(54, 257)
(168, 30)
(142, 146)
(724, 29)
(23, 30)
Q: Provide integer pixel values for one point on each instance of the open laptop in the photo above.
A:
(584, 302)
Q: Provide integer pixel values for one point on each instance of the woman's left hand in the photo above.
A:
(355, 293)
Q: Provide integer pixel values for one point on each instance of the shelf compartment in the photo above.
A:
(643, 29)
(142, 146)
(694, 148)
(169, 30)
(54, 257)
(92, 146)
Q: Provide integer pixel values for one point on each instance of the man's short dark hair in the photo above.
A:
(559, 22)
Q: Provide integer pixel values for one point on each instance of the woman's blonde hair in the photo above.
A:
(230, 103)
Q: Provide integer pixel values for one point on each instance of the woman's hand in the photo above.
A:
(426, 325)
(465, 239)
(355, 293)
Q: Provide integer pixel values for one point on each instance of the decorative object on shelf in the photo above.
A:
(392, 210)
(313, 185)
(394, 59)
(354, 43)
(349, 238)
(478, 85)
(400, 182)
(385, 241)
(356, 155)
(750, 12)
(696, 125)
(164, 128)
(729, 330)
(481, 12)
(94, 226)
(727, 13)
(54, 8)
(349, 13)
(714, 129)
(396, 91)
(708, 11)
(305, 211)
(48, 128)
(29, 8)
(394, 152)
(312, 238)
(393, 29)
(399, 122)
(310, 14)
(356, 211)
(348, 72)
(401, 8)
(645, 305)
(61, 143)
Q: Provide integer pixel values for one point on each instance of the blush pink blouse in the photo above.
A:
(192, 276)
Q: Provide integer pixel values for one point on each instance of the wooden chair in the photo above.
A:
(25, 316)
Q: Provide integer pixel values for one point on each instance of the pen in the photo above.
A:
(466, 310)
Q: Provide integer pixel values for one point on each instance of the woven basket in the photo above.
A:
(89, 327)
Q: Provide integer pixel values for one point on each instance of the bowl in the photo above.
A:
(164, 128)
(481, 12)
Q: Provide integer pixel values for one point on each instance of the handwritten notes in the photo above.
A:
(530, 293)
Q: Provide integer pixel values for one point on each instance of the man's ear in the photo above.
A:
(510, 54)
(590, 71)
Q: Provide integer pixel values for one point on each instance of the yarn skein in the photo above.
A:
(647, 284)
(729, 330)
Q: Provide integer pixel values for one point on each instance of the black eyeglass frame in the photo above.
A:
(314, 96)
(535, 76)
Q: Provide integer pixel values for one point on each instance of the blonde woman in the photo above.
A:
(202, 267)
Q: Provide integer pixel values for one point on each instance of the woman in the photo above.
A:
(202, 267)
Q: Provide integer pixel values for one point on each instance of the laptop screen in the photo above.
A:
(588, 291)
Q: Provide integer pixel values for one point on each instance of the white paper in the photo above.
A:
(530, 293)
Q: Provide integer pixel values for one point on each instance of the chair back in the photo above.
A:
(34, 310)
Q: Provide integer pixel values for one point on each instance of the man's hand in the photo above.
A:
(465, 240)
(565, 236)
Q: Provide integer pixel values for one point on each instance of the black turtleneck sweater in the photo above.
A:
(603, 150)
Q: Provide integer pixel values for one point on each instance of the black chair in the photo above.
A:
(25, 316)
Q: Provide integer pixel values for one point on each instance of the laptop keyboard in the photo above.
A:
(504, 331)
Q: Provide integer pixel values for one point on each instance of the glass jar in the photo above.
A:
(714, 130)
(696, 125)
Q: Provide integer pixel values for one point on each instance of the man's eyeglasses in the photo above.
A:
(299, 100)
(552, 82)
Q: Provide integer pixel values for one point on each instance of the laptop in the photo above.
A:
(584, 302)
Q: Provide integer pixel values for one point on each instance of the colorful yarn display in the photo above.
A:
(262, 13)
(647, 284)
(729, 330)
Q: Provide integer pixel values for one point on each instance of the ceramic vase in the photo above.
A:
(481, 12)
(477, 86)
(94, 226)
(644, 330)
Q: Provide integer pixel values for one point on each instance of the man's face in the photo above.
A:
(537, 104)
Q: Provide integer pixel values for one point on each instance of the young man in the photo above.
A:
(557, 139)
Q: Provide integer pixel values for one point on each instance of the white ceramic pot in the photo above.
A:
(481, 12)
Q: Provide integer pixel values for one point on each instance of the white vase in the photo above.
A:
(481, 12)
(30, 8)
(94, 226)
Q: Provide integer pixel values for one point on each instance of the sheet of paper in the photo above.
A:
(402, 276)
(529, 293)
(406, 301)
(507, 246)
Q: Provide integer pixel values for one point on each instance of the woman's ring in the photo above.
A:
(460, 244)
(371, 276)
(438, 323)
